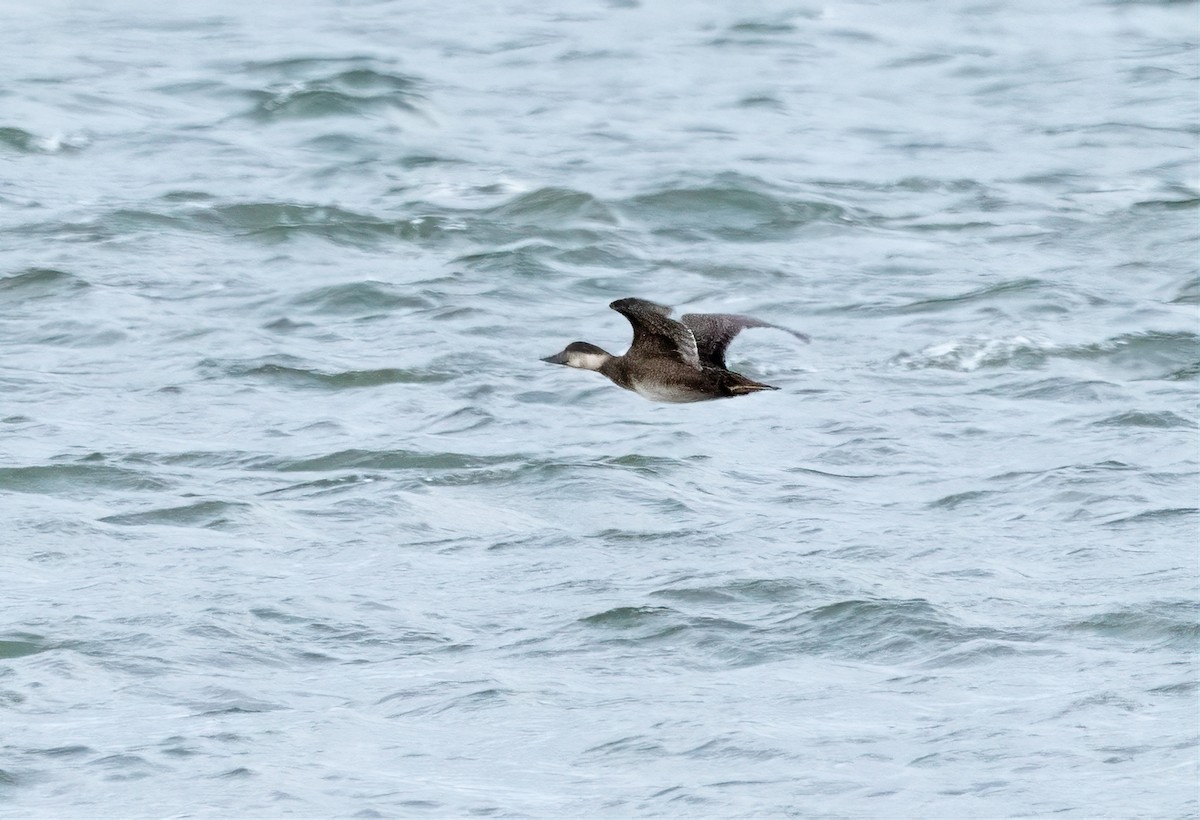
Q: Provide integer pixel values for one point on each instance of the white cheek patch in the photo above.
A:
(586, 361)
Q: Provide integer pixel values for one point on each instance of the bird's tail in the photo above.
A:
(741, 386)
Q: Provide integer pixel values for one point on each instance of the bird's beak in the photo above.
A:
(557, 358)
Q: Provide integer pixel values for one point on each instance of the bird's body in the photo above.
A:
(669, 360)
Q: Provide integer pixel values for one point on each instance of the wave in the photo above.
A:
(1164, 623)
(310, 88)
(34, 283)
(287, 371)
(80, 478)
(731, 208)
(1152, 354)
(356, 298)
(868, 629)
(206, 514)
(26, 142)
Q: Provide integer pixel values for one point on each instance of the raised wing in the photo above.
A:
(655, 334)
(714, 331)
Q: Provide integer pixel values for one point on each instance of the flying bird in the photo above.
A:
(669, 360)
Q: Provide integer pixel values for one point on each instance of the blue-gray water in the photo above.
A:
(294, 522)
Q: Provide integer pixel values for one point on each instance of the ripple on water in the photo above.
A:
(1153, 355)
(286, 371)
(1165, 420)
(78, 479)
(356, 459)
(730, 209)
(35, 283)
(205, 514)
(21, 141)
(1161, 623)
(20, 644)
(358, 298)
(884, 630)
(315, 88)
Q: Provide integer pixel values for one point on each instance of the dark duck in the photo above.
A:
(669, 360)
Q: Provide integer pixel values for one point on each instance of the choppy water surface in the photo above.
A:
(296, 523)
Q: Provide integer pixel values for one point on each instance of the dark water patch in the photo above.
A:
(764, 101)
(361, 298)
(177, 748)
(1149, 355)
(629, 617)
(36, 283)
(731, 209)
(971, 497)
(697, 595)
(126, 767)
(838, 476)
(77, 479)
(268, 222)
(987, 650)
(411, 161)
(553, 207)
(1165, 420)
(238, 706)
(72, 334)
(20, 644)
(1169, 514)
(64, 751)
(185, 196)
(761, 590)
(286, 325)
(998, 291)
(1187, 687)
(643, 464)
(637, 747)
(781, 27)
(876, 629)
(276, 222)
(340, 145)
(1189, 294)
(18, 139)
(1188, 373)
(11, 777)
(190, 458)
(1097, 472)
(733, 748)
(725, 272)
(304, 634)
(529, 260)
(284, 371)
(311, 91)
(635, 537)
(1161, 624)
(325, 486)
(272, 614)
(523, 472)
(1186, 204)
(380, 460)
(705, 640)
(434, 701)
(461, 420)
(1059, 389)
(205, 514)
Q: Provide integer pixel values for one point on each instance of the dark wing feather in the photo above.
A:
(656, 334)
(714, 331)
